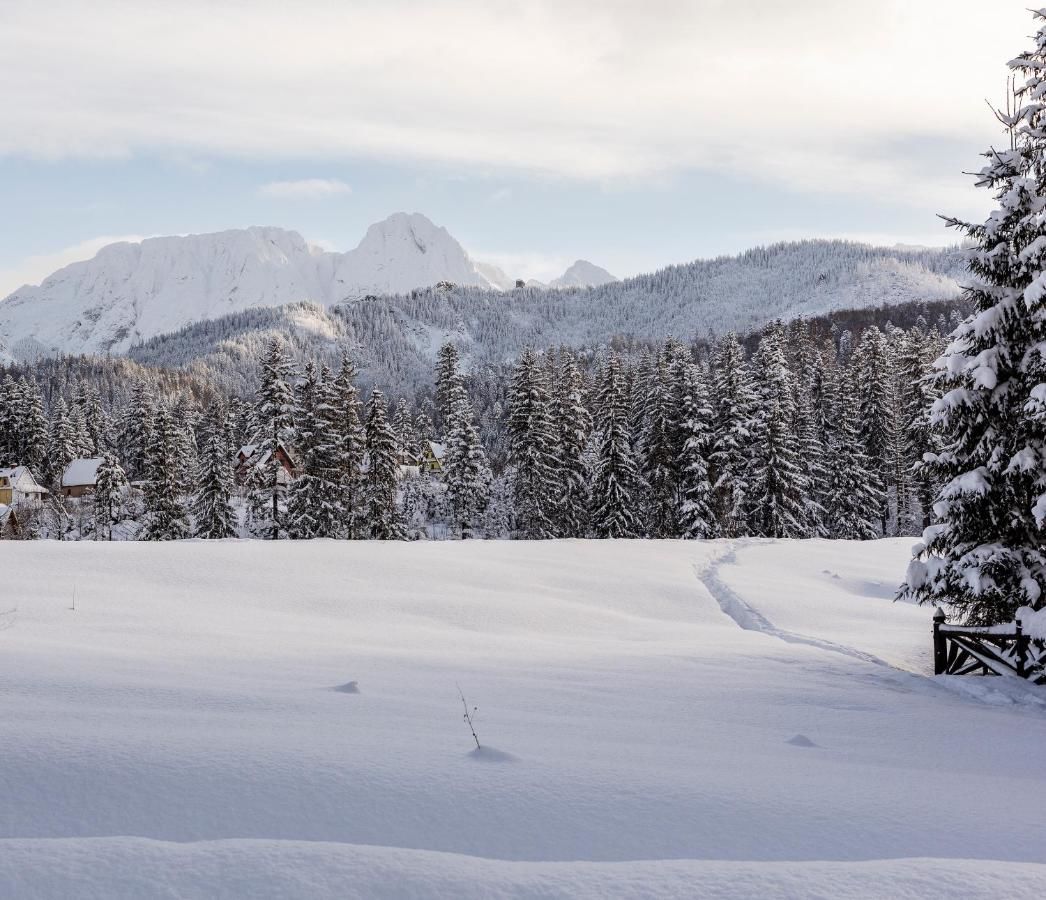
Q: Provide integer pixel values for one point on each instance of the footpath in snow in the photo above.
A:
(659, 719)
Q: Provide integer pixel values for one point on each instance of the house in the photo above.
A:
(17, 485)
(81, 476)
(432, 457)
(249, 458)
(9, 526)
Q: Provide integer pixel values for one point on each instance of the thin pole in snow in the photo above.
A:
(74, 597)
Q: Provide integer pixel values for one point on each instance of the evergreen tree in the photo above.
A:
(384, 522)
(778, 490)
(349, 449)
(61, 444)
(83, 446)
(853, 499)
(985, 557)
(875, 429)
(10, 406)
(615, 487)
(465, 468)
(315, 507)
(108, 495)
(273, 432)
(448, 382)
(532, 449)
(34, 443)
(135, 429)
(165, 518)
(406, 440)
(573, 426)
(696, 513)
(212, 505)
(733, 406)
(659, 454)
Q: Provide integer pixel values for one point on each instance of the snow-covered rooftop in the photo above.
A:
(82, 472)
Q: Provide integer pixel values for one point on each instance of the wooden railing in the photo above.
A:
(987, 650)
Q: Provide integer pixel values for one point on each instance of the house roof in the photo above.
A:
(21, 478)
(82, 472)
(438, 450)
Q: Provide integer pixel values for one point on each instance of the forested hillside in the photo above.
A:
(394, 339)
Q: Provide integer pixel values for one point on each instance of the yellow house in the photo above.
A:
(432, 457)
(17, 485)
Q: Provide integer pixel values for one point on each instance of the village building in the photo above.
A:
(9, 524)
(249, 457)
(17, 485)
(432, 457)
(81, 477)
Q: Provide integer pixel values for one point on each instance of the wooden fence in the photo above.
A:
(987, 650)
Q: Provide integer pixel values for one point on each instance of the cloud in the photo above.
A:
(306, 188)
(34, 269)
(501, 195)
(811, 95)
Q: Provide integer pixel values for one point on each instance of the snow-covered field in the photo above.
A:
(658, 719)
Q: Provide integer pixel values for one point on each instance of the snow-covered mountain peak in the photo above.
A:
(130, 292)
(583, 274)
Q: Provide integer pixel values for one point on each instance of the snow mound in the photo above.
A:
(350, 687)
(490, 754)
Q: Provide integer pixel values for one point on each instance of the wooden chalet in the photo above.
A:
(81, 477)
(249, 457)
(432, 457)
(17, 485)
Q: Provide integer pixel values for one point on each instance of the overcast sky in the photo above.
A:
(633, 134)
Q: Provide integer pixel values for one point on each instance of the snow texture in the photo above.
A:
(177, 734)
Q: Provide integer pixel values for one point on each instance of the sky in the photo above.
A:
(634, 135)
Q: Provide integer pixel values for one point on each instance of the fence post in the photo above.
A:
(940, 651)
(1022, 650)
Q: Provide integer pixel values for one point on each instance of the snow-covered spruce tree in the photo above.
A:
(696, 515)
(10, 406)
(383, 519)
(187, 420)
(165, 518)
(778, 488)
(108, 496)
(135, 429)
(573, 425)
(314, 506)
(406, 440)
(615, 484)
(852, 500)
(95, 420)
(83, 444)
(920, 435)
(872, 376)
(658, 456)
(984, 558)
(733, 406)
(465, 468)
(33, 429)
(350, 446)
(61, 443)
(532, 451)
(212, 504)
(448, 382)
(273, 428)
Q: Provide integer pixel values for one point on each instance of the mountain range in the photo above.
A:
(130, 292)
(410, 284)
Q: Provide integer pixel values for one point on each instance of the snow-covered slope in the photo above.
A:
(582, 274)
(259, 719)
(132, 292)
